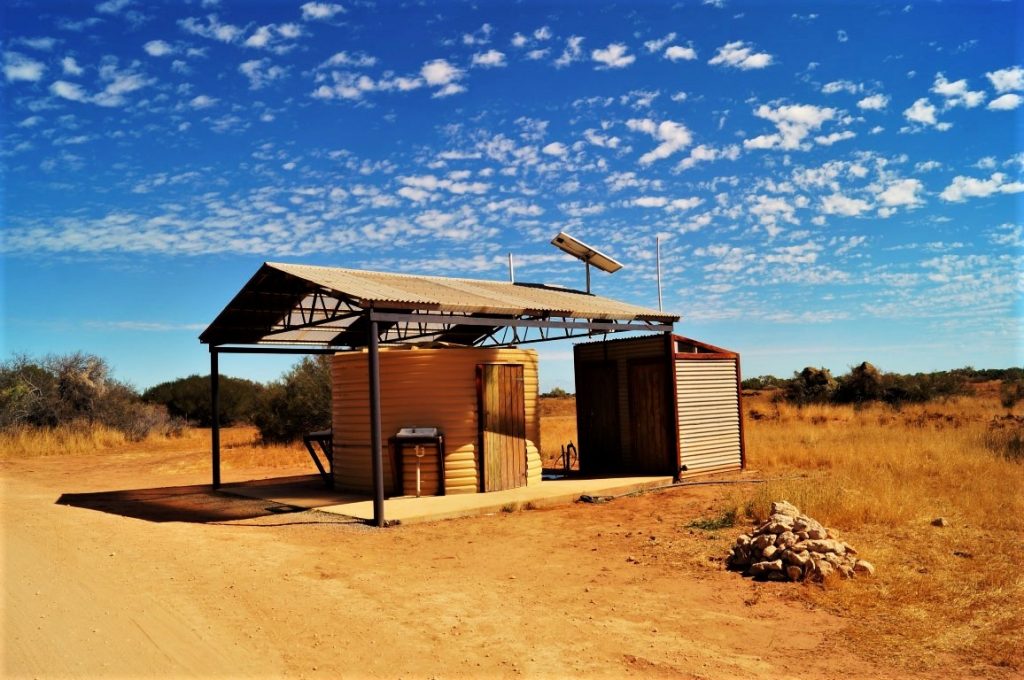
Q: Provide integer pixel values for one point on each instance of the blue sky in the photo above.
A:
(832, 182)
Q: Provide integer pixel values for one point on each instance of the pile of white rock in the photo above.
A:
(791, 546)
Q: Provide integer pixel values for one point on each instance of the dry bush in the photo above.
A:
(881, 475)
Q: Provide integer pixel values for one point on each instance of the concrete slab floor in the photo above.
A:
(312, 494)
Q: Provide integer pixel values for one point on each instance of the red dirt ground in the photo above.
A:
(619, 589)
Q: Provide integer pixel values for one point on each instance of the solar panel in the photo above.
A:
(588, 254)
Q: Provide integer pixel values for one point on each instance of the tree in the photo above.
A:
(298, 403)
(189, 399)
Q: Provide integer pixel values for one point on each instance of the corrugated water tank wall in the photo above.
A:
(710, 431)
(621, 351)
(427, 388)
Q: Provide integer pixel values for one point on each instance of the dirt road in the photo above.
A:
(595, 590)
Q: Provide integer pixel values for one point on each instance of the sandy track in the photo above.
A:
(540, 593)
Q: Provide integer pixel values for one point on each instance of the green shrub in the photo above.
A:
(298, 403)
(811, 386)
(189, 399)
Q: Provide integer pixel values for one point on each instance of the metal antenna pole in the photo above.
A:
(511, 270)
(657, 260)
(588, 275)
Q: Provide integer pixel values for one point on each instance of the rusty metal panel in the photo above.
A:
(709, 415)
(423, 387)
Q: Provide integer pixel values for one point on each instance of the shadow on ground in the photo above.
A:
(197, 503)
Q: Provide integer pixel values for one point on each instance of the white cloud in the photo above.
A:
(794, 122)
(875, 102)
(653, 46)
(683, 204)
(489, 59)
(432, 183)
(45, 44)
(770, 210)
(519, 40)
(414, 194)
(345, 59)
(119, 83)
(70, 66)
(158, 48)
(70, 91)
(650, 202)
(542, 33)
(838, 204)
(842, 86)
(112, 6)
(598, 139)
(956, 93)
(673, 137)
(260, 73)
(19, 67)
(1006, 102)
(202, 102)
(1007, 79)
(923, 112)
(440, 72)
(901, 192)
(212, 29)
(448, 90)
(320, 11)
(676, 52)
(740, 55)
(962, 188)
(927, 166)
(613, 56)
(481, 36)
(573, 52)
(556, 149)
(261, 38)
(704, 153)
(829, 140)
(842, 36)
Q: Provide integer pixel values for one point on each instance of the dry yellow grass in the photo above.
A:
(881, 475)
(240, 446)
(557, 428)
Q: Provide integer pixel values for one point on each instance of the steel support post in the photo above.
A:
(215, 417)
(376, 450)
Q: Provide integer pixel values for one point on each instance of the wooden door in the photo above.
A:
(502, 418)
(648, 410)
(597, 416)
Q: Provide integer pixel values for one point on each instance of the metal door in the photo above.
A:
(648, 410)
(597, 416)
(502, 419)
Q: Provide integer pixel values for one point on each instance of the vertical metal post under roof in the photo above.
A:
(376, 451)
(215, 416)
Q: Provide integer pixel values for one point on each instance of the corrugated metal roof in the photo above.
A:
(277, 304)
(467, 295)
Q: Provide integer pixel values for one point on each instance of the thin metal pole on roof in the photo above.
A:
(511, 270)
(657, 260)
(376, 450)
(215, 417)
(588, 275)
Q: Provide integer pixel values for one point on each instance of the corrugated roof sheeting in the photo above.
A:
(467, 295)
(268, 307)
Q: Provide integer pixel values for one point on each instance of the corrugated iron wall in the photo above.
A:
(426, 388)
(707, 395)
